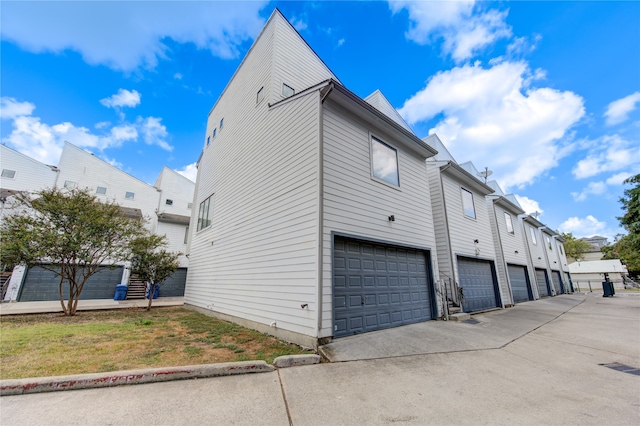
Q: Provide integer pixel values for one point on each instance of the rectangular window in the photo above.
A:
(221, 123)
(6, 173)
(101, 190)
(69, 184)
(533, 235)
(168, 202)
(548, 242)
(129, 195)
(287, 91)
(260, 95)
(509, 222)
(467, 204)
(215, 132)
(189, 205)
(560, 248)
(186, 234)
(208, 140)
(384, 161)
(204, 214)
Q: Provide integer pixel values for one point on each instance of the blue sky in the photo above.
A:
(546, 94)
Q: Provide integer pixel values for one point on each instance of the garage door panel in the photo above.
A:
(478, 284)
(541, 282)
(392, 282)
(557, 282)
(519, 283)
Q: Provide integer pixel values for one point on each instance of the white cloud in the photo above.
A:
(528, 205)
(44, 142)
(618, 111)
(299, 24)
(618, 178)
(190, 171)
(608, 154)
(585, 227)
(124, 98)
(593, 188)
(10, 108)
(177, 76)
(341, 42)
(464, 28)
(499, 117)
(88, 28)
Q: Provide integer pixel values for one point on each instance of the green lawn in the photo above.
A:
(123, 339)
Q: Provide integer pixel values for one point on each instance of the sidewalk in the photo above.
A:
(53, 306)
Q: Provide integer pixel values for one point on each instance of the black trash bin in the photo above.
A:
(607, 288)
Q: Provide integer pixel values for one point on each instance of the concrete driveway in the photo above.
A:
(553, 374)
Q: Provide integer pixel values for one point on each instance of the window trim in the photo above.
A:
(260, 95)
(69, 184)
(133, 195)
(98, 188)
(13, 174)
(533, 235)
(293, 91)
(221, 123)
(204, 205)
(374, 139)
(186, 235)
(549, 246)
(473, 204)
(509, 222)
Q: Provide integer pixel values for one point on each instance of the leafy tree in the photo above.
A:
(152, 262)
(627, 247)
(69, 233)
(574, 247)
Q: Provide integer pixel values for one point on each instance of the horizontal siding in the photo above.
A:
(176, 188)
(439, 221)
(31, 175)
(355, 204)
(175, 239)
(537, 249)
(258, 259)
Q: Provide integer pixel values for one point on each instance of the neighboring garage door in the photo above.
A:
(568, 283)
(541, 281)
(378, 286)
(479, 288)
(557, 282)
(519, 283)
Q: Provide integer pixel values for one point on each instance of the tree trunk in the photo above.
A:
(64, 307)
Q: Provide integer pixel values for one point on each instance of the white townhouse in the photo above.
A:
(508, 235)
(312, 214)
(538, 257)
(464, 238)
(165, 206)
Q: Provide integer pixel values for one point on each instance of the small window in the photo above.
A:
(221, 123)
(204, 214)
(533, 235)
(384, 161)
(101, 190)
(186, 234)
(189, 205)
(548, 242)
(215, 132)
(560, 248)
(509, 222)
(129, 195)
(6, 173)
(287, 91)
(260, 95)
(467, 204)
(69, 184)
(168, 202)
(208, 140)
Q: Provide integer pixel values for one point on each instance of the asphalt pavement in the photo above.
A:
(555, 361)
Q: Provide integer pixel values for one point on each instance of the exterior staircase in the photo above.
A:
(136, 288)
(5, 277)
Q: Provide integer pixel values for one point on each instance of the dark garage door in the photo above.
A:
(557, 282)
(519, 283)
(377, 286)
(478, 283)
(568, 283)
(541, 281)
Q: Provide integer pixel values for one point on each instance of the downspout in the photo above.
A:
(446, 225)
(502, 259)
(546, 256)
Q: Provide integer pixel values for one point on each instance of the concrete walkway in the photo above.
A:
(21, 308)
(559, 373)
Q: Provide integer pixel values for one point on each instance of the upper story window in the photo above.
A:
(186, 234)
(221, 123)
(129, 195)
(384, 161)
(101, 190)
(69, 184)
(560, 248)
(208, 140)
(287, 91)
(189, 205)
(204, 214)
(548, 242)
(260, 95)
(468, 207)
(168, 202)
(6, 173)
(533, 235)
(509, 222)
(215, 132)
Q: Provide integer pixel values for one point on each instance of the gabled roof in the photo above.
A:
(33, 160)
(507, 202)
(533, 221)
(461, 175)
(172, 172)
(443, 153)
(381, 103)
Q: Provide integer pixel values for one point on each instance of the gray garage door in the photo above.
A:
(478, 283)
(519, 283)
(541, 281)
(377, 286)
(568, 283)
(557, 282)
(41, 284)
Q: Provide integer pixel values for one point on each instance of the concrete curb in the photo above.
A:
(129, 377)
(296, 360)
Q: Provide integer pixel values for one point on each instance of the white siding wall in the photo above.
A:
(464, 230)
(175, 239)
(31, 175)
(536, 250)
(356, 204)
(177, 188)
(562, 255)
(440, 221)
(258, 259)
(87, 171)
